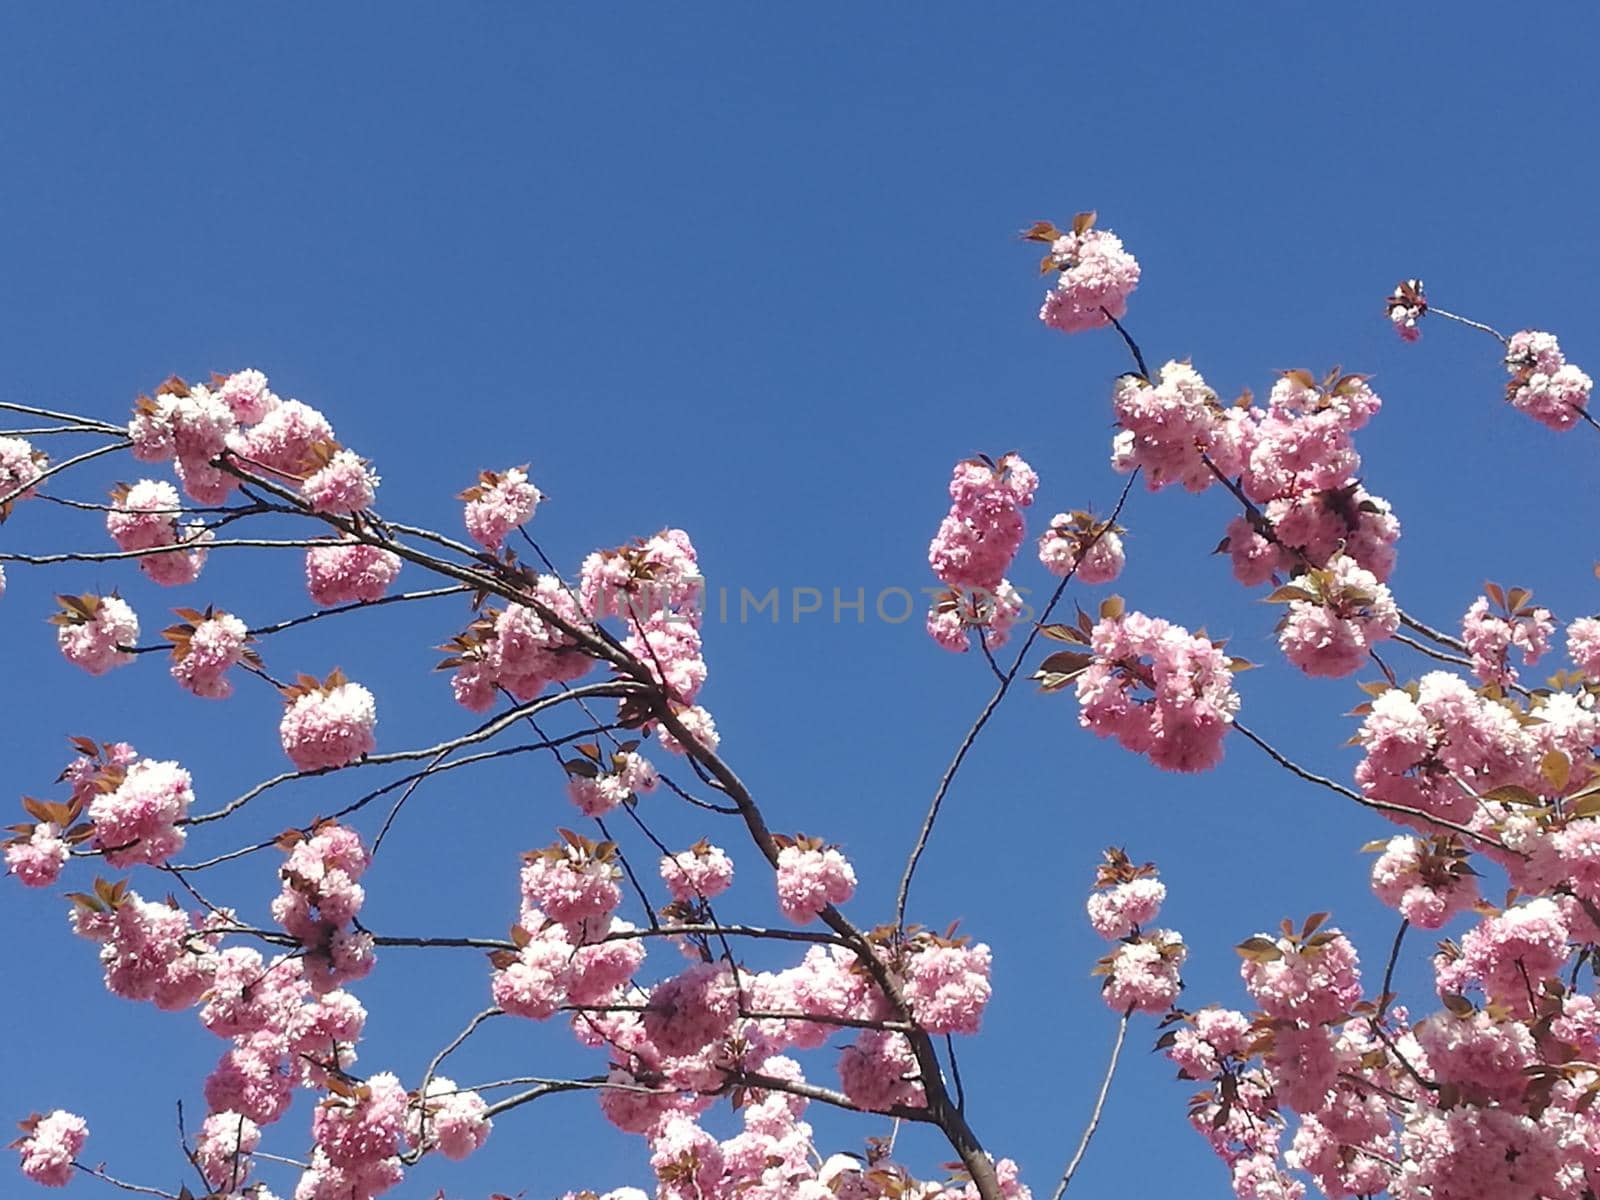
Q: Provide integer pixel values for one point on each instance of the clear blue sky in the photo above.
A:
(751, 270)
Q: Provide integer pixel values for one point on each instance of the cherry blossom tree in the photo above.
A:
(1324, 1077)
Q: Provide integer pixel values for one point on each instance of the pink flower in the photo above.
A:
(1490, 637)
(573, 881)
(1312, 982)
(1407, 305)
(533, 981)
(498, 503)
(879, 1071)
(1218, 1033)
(286, 440)
(449, 1119)
(145, 517)
(660, 573)
(49, 1144)
(687, 1161)
(247, 396)
(149, 951)
(1171, 427)
(20, 466)
(137, 821)
(1077, 542)
(223, 1147)
(692, 1010)
(518, 649)
(36, 858)
(319, 900)
(812, 876)
(92, 632)
(1096, 274)
(955, 614)
(1120, 909)
(191, 424)
(348, 572)
(204, 651)
(1190, 684)
(947, 985)
(1509, 954)
(596, 792)
(1543, 384)
(702, 872)
(364, 1129)
(697, 721)
(1429, 882)
(1336, 616)
(981, 533)
(252, 1078)
(1144, 974)
(1583, 645)
(343, 485)
(328, 725)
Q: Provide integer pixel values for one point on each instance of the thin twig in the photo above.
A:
(1368, 801)
(1099, 1107)
(1006, 680)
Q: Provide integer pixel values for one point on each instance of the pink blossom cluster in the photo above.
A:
(1335, 616)
(1123, 908)
(597, 786)
(20, 467)
(655, 587)
(573, 882)
(96, 632)
(1176, 429)
(550, 969)
(1076, 544)
(1301, 1051)
(205, 651)
(328, 725)
(223, 1147)
(954, 614)
(283, 1035)
(137, 817)
(1096, 275)
(1159, 690)
(498, 503)
(149, 951)
(350, 572)
(811, 876)
(239, 418)
(449, 1119)
(975, 544)
(1583, 646)
(1143, 973)
(358, 1133)
(318, 902)
(144, 517)
(191, 427)
(1294, 462)
(946, 983)
(1312, 979)
(1429, 881)
(1543, 383)
(702, 872)
(1490, 637)
(1433, 747)
(36, 857)
(1509, 956)
(518, 649)
(1407, 305)
(344, 484)
(49, 1145)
